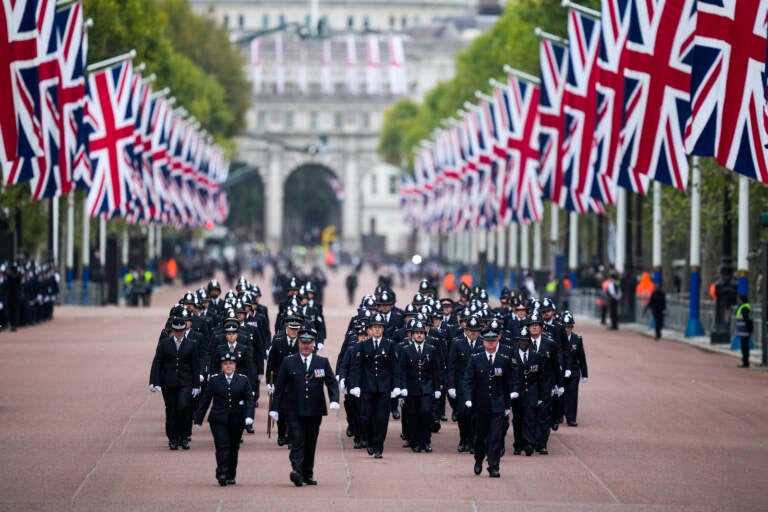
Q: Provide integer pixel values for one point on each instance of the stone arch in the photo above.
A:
(247, 202)
(312, 200)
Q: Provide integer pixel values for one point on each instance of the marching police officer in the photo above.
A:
(576, 371)
(372, 379)
(531, 389)
(487, 387)
(175, 371)
(299, 395)
(285, 343)
(548, 351)
(459, 356)
(232, 410)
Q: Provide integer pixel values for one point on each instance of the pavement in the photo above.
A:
(662, 427)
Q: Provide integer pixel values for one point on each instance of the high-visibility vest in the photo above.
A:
(551, 286)
(741, 324)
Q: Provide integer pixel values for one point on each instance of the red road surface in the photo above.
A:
(663, 426)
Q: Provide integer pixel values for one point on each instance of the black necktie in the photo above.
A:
(375, 345)
(306, 364)
(525, 357)
(418, 349)
(490, 360)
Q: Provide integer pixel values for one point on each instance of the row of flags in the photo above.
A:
(312, 55)
(635, 90)
(105, 132)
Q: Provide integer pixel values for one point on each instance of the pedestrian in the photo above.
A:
(657, 304)
(232, 411)
(299, 395)
(175, 371)
(614, 295)
(488, 389)
(284, 344)
(351, 284)
(744, 328)
(576, 372)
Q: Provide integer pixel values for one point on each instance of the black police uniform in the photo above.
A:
(232, 403)
(552, 374)
(461, 353)
(488, 386)
(532, 390)
(419, 372)
(299, 395)
(282, 347)
(577, 363)
(176, 371)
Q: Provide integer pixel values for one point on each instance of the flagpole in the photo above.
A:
(537, 245)
(581, 9)
(70, 260)
(694, 327)
(86, 252)
(573, 247)
(522, 75)
(111, 61)
(554, 232)
(538, 32)
(656, 249)
(621, 230)
(742, 248)
(525, 262)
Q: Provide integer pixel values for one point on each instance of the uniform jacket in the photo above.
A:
(577, 357)
(530, 380)
(488, 387)
(279, 351)
(373, 371)
(420, 375)
(175, 368)
(244, 360)
(299, 392)
(458, 359)
(232, 403)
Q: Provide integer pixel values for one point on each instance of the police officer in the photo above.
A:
(418, 380)
(284, 344)
(488, 391)
(299, 395)
(576, 372)
(343, 369)
(531, 389)
(547, 350)
(459, 356)
(175, 371)
(372, 379)
(232, 410)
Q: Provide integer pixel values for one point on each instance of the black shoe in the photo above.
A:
(377, 455)
(516, 452)
(256, 405)
(443, 417)
(744, 365)
(573, 424)
(528, 451)
(396, 415)
(503, 451)
(363, 444)
(555, 426)
(349, 432)
(478, 468)
(542, 451)
(184, 444)
(402, 436)
(406, 444)
(249, 429)
(309, 481)
(231, 481)
(173, 445)
(471, 450)
(454, 417)
(370, 450)
(222, 480)
(428, 448)
(493, 473)
(417, 449)
(461, 448)
(357, 445)
(281, 441)
(296, 478)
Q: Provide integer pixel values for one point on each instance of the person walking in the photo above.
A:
(232, 411)
(744, 328)
(657, 304)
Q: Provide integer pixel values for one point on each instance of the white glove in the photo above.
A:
(506, 412)
(248, 422)
(554, 391)
(1, 306)
(404, 393)
(154, 388)
(567, 374)
(538, 403)
(270, 388)
(560, 391)
(514, 395)
(273, 415)
(334, 406)
(195, 392)
(452, 393)
(259, 378)
(320, 346)
(342, 385)
(355, 392)
(337, 377)
(198, 427)
(468, 404)
(438, 394)
(395, 393)
(400, 402)
(583, 379)
(202, 378)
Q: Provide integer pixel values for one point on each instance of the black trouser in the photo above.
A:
(418, 410)
(302, 434)
(571, 396)
(745, 350)
(658, 323)
(375, 416)
(178, 411)
(489, 436)
(464, 417)
(226, 439)
(543, 421)
(523, 425)
(557, 409)
(613, 305)
(352, 408)
(603, 313)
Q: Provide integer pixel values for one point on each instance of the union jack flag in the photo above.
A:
(505, 177)
(553, 62)
(19, 122)
(487, 164)
(111, 119)
(657, 94)
(523, 146)
(580, 108)
(611, 61)
(728, 86)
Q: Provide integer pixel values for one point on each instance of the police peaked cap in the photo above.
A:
(307, 335)
(178, 324)
(491, 334)
(417, 326)
(228, 356)
(446, 301)
(377, 319)
(293, 321)
(231, 325)
(546, 305)
(474, 323)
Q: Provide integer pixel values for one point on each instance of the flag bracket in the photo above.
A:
(581, 9)
(522, 75)
(111, 61)
(538, 32)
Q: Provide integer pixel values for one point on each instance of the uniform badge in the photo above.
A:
(498, 371)
(319, 373)
(241, 402)
(573, 346)
(534, 368)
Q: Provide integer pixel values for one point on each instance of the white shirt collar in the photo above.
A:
(308, 358)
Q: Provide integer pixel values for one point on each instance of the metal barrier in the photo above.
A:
(76, 296)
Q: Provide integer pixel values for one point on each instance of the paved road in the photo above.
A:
(663, 426)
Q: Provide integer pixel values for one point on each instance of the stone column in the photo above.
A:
(274, 200)
(351, 207)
